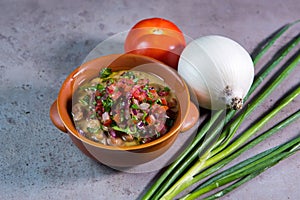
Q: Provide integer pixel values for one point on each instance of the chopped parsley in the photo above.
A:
(100, 87)
(167, 89)
(105, 72)
(107, 104)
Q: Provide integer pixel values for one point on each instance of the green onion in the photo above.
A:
(190, 177)
(172, 170)
(126, 130)
(257, 163)
(271, 41)
(191, 153)
(135, 118)
(249, 145)
(233, 186)
(135, 106)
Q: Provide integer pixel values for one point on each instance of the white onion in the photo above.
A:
(219, 70)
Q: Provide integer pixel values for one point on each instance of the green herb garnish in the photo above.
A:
(126, 130)
(107, 104)
(135, 106)
(105, 72)
(100, 87)
(167, 89)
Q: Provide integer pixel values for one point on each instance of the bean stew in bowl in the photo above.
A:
(123, 109)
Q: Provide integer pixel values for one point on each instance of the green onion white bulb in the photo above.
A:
(219, 70)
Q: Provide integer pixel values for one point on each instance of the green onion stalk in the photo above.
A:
(252, 143)
(272, 40)
(233, 186)
(192, 175)
(245, 164)
(246, 147)
(252, 166)
(177, 168)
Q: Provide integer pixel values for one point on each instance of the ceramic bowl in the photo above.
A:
(60, 111)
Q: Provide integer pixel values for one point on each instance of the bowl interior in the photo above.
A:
(122, 62)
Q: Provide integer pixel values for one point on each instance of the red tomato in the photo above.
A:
(140, 96)
(157, 38)
(164, 101)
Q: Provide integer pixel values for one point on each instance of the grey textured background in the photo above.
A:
(41, 42)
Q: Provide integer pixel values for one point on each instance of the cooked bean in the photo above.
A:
(123, 108)
(115, 141)
(77, 112)
(98, 137)
(127, 137)
(93, 123)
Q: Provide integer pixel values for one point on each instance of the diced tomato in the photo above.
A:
(106, 119)
(136, 93)
(139, 95)
(142, 97)
(165, 107)
(115, 95)
(111, 88)
(107, 122)
(117, 118)
(127, 88)
(152, 90)
(97, 93)
(164, 101)
(163, 93)
(150, 119)
(152, 95)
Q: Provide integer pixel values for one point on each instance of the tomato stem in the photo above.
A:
(158, 31)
